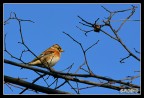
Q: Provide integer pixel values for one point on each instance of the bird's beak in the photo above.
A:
(62, 50)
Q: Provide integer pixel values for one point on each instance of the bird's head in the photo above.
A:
(57, 47)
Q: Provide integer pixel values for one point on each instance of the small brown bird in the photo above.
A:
(49, 57)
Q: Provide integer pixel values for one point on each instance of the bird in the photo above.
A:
(49, 57)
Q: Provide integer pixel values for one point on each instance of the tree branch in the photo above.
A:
(33, 86)
(67, 76)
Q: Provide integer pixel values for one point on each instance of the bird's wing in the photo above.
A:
(43, 54)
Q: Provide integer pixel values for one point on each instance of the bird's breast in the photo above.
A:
(53, 61)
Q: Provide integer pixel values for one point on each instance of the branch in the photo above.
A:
(91, 46)
(96, 27)
(106, 9)
(32, 83)
(20, 31)
(82, 50)
(120, 41)
(66, 75)
(133, 10)
(136, 51)
(124, 20)
(33, 86)
(72, 87)
(133, 7)
(61, 85)
(68, 68)
(85, 24)
(109, 35)
(84, 30)
(19, 22)
(115, 32)
(122, 60)
(85, 21)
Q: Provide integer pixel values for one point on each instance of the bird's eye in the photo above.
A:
(59, 48)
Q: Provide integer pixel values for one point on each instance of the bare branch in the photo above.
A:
(120, 41)
(15, 17)
(87, 87)
(5, 41)
(91, 46)
(124, 20)
(96, 21)
(22, 53)
(133, 10)
(72, 38)
(9, 86)
(69, 68)
(122, 60)
(84, 30)
(33, 83)
(85, 24)
(33, 86)
(78, 91)
(131, 78)
(90, 72)
(61, 84)
(80, 67)
(136, 51)
(72, 87)
(20, 31)
(85, 21)
(63, 75)
(133, 7)
(53, 82)
(19, 22)
(109, 35)
(106, 9)
(115, 32)
(96, 27)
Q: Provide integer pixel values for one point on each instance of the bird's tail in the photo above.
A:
(34, 63)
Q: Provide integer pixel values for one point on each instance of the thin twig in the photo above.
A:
(33, 83)
(61, 84)
(87, 87)
(53, 82)
(109, 35)
(91, 46)
(133, 10)
(84, 30)
(122, 60)
(85, 21)
(69, 68)
(96, 21)
(85, 24)
(72, 87)
(106, 9)
(136, 51)
(124, 20)
(80, 67)
(90, 72)
(9, 86)
(22, 53)
(78, 91)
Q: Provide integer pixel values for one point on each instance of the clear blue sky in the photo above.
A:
(51, 20)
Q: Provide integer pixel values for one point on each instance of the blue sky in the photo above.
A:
(51, 20)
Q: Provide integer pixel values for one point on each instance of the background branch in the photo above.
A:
(33, 86)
